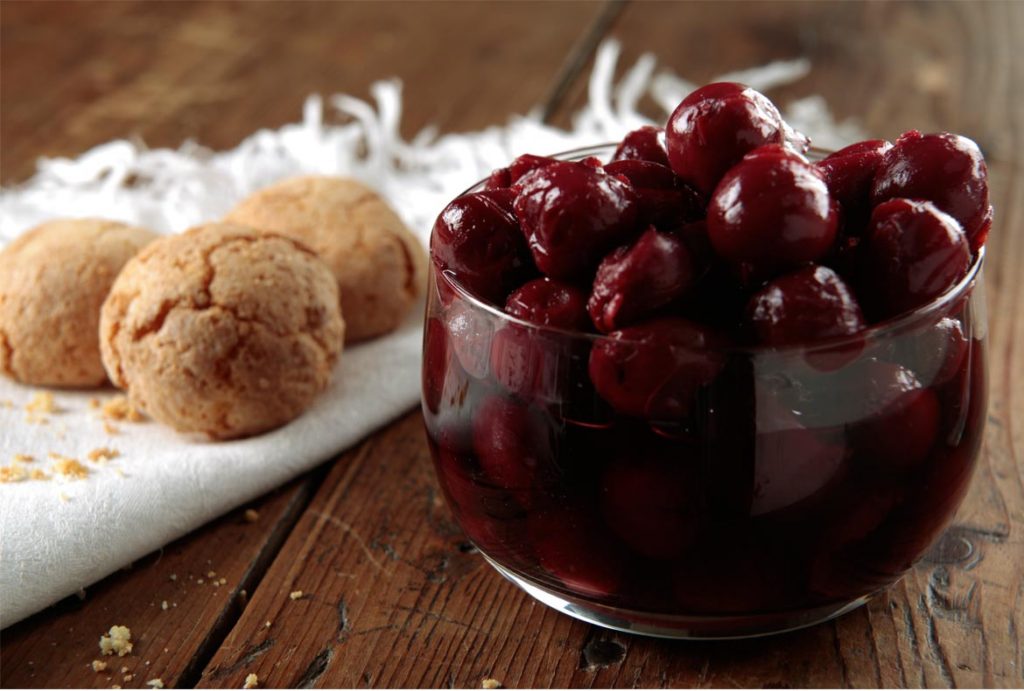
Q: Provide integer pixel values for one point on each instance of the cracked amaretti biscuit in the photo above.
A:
(222, 330)
(53, 280)
(379, 263)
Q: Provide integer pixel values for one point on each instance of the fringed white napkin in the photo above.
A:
(58, 535)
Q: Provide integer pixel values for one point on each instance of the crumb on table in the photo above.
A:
(157, 683)
(24, 458)
(98, 665)
(119, 640)
(119, 408)
(491, 684)
(103, 453)
(251, 681)
(252, 515)
(14, 472)
(296, 595)
(42, 402)
(70, 468)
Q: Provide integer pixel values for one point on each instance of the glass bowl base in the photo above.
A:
(682, 627)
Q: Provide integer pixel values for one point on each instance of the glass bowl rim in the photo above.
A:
(875, 332)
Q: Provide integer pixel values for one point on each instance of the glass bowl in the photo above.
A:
(759, 490)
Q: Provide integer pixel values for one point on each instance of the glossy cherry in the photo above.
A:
(714, 127)
(572, 214)
(772, 212)
(913, 253)
(904, 420)
(512, 444)
(663, 200)
(650, 500)
(808, 305)
(549, 302)
(653, 370)
(646, 143)
(635, 280)
(572, 544)
(849, 173)
(477, 239)
(945, 169)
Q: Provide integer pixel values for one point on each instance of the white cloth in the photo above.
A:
(59, 536)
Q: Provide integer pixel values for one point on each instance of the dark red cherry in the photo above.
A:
(635, 280)
(945, 169)
(573, 545)
(663, 200)
(548, 302)
(650, 501)
(913, 253)
(499, 179)
(644, 144)
(511, 443)
(527, 163)
(793, 462)
(714, 127)
(572, 214)
(470, 330)
(435, 363)
(653, 370)
(771, 212)
(849, 173)
(902, 428)
(810, 304)
(478, 240)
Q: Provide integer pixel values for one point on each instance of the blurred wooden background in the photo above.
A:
(394, 597)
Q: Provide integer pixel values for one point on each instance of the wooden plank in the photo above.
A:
(383, 569)
(55, 648)
(74, 75)
(77, 74)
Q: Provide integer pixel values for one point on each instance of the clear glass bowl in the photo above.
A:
(786, 491)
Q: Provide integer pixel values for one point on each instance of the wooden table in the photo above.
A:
(394, 596)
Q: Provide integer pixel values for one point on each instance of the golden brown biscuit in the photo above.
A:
(379, 263)
(223, 330)
(53, 280)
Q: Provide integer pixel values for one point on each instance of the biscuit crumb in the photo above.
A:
(164, 605)
(70, 468)
(115, 686)
(124, 669)
(491, 684)
(120, 409)
(267, 625)
(252, 515)
(38, 474)
(296, 595)
(118, 641)
(98, 665)
(42, 402)
(173, 577)
(251, 681)
(200, 581)
(157, 683)
(223, 581)
(12, 473)
(103, 453)
(211, 574)
(94, 403)
(23, 458)
(128, 677)
(110, 429)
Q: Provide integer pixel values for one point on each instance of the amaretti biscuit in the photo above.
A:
(53, 280)
(222, 330)
(379, 263)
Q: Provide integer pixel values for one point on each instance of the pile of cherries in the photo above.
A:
(573, 457)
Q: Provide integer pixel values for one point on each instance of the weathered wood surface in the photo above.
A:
(392, 596)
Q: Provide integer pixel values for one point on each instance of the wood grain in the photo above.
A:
(392, 594)
(55, 648)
